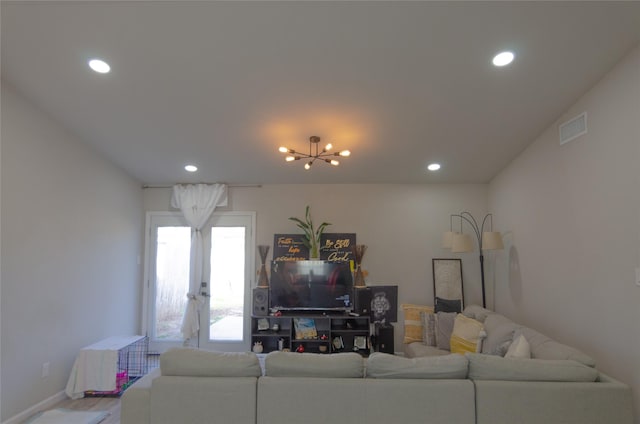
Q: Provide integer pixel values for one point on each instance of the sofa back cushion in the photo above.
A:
(477, 312)
(501, 331)
(489, 367)
(384, 365)
(203, 363)
(542, 347)
(292, 364)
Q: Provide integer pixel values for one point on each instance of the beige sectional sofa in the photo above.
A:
(308, 388)
(194, 386)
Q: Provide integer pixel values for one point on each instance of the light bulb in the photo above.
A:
(328, 147)
(307, 165)
(334, 162)
(503, 59)
(283, 149)
(345, 153)
(99, 66)
(290, 158)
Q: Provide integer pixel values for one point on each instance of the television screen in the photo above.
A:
(310, 285)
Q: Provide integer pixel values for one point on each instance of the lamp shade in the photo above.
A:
(447, 239)
(461, 243)
(492, 241)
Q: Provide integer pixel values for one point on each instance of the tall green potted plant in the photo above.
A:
(312, 235)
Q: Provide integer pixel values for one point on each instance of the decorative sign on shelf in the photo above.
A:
(337, 246)
(289, 247)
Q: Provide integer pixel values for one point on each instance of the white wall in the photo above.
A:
(71, 234)
(401, 224)
(573, 218)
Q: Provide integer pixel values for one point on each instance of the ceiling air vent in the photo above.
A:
(573, 128)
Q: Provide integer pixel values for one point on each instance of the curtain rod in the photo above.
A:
(228, 185)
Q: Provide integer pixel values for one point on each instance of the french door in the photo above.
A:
(226, 287)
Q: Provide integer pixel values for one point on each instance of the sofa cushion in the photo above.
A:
(384, 365)
(467, 335)
(412, 322)
(417, 349)
(203, 363)
(477, 312)
(292, 364)
(542, 347)
(444, 328)
(489, 367)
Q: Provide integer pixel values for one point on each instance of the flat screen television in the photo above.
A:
(310, 285)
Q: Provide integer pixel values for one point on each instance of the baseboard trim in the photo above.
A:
(41, 406)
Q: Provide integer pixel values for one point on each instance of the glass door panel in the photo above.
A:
(171, 280)
(225, 319)
(227, 283)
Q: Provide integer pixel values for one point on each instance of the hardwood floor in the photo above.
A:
(111, 404)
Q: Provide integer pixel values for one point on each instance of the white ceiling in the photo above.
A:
(224, 84)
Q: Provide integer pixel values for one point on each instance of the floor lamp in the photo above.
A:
(460, 242)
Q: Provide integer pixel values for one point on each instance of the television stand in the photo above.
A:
(335, 331)
(314, 312)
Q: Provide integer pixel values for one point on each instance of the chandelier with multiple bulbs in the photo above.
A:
(324, 155)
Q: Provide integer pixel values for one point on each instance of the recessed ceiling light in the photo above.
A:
(433, 167)
(503, 59)
(99, 66)
(191, 168)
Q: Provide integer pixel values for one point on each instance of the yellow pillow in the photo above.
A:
(467, 335)
(412, 321)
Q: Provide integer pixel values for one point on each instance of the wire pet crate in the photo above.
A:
(133, 364)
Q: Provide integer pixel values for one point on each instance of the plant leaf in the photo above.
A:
(320, 229)
(301, 224)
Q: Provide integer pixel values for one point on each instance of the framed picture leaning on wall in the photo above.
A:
(448, 289)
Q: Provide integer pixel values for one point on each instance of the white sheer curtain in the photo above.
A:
(197, 203)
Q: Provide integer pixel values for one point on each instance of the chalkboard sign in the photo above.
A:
(337, 246)
(289, 247)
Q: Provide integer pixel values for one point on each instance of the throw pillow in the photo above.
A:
(444, 328)
(428, 328)
(501, 349)
(519, 348)
(467, 335)
(412, 322)
(500, 333)
(448, 305)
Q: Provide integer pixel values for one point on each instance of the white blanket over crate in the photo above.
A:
(96, 366)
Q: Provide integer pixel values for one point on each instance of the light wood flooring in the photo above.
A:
(111, 404)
